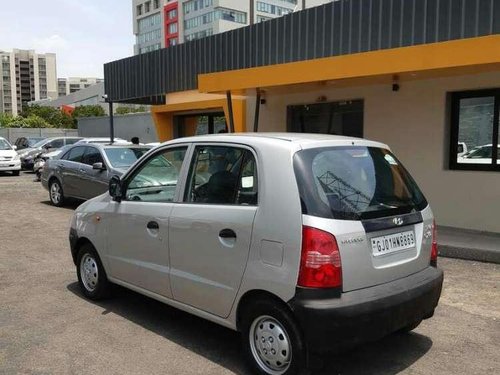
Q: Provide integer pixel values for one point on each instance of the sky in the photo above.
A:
(84, 34)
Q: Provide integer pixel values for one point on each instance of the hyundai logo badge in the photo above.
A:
(397, 221)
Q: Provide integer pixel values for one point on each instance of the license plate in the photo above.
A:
(393, 242)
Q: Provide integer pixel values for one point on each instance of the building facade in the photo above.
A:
(66, 86)
(420, 76)
(186, 20)
(26, 76)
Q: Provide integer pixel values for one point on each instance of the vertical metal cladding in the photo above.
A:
(341, 27)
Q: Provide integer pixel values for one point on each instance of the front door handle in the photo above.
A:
(153, 225)
(227, 233)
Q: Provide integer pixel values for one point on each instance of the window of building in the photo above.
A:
(147, 6)
(156, 4)
(272, 9)
(475, 139)
(172, 42)
(172, 14)
(172, 28)
(139, 9)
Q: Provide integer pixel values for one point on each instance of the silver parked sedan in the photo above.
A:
(83, 171)
(303, 243)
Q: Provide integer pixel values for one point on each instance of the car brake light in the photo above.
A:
(434, 248)
(320, 265)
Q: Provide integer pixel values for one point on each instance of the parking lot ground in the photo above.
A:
(47, 327)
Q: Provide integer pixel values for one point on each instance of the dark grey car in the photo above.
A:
(83, 172)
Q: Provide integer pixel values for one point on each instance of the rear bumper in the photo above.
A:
(329, 324)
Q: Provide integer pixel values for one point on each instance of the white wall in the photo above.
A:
(413, 122)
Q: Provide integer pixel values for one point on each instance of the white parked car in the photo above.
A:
(9, 159)
(303, 243)
(103, 140)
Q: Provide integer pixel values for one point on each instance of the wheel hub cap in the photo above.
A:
(89, 272)
(270, 345)
(55, 193)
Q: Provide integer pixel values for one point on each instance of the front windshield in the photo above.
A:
(4, 145)
(124, 157)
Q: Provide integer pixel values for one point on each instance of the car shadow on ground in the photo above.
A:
(70, 205)
(221, 345)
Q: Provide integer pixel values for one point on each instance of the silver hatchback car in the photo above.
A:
(303, 243)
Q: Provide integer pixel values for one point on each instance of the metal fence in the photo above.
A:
(11, 134)
(337, 28)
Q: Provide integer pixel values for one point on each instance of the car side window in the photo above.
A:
(222, 175)
(75, 154)
(156, 180)
(92, 155)
(71, 141)
(56, 143)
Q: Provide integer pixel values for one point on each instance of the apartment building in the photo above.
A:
(162, 23)
(26, 76)
(66, 86)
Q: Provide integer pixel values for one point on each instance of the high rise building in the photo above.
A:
(26, 76)
(66, 86)
(163, 23)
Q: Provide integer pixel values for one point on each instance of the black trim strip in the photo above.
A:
(375, 225)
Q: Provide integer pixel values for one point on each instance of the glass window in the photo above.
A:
(475, 130)
(222, 175)
(75, 154)
(156, 180)
(92, 155)
(70, 141)
(124, 157)
(354, 183)
(56, 143)
(172, 28)
(172, 14)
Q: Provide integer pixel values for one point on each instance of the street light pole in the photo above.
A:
(111, 123)
(111, 119)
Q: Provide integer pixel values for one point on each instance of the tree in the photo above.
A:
(88, 111)
(125, 110)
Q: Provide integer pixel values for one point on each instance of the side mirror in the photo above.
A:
(115, 188)
(14, 147)
(98, 166)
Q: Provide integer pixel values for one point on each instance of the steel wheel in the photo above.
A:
(270, 345)
(55, 193)
(89, 272)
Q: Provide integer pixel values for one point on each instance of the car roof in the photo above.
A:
(293, 139)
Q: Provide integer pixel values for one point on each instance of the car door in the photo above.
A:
(137, 251)
(211, 230)
(68, 168)
(94, 182)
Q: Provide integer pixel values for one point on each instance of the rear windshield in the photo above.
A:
(355, 183)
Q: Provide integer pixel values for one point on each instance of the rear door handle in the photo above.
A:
(153, 225)
(227, 233)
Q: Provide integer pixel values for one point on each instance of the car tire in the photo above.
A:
(15, 173)
(410, 327)
(56, 193)
(92, 277)
(271, 340)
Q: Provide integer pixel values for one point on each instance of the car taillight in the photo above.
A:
(320, 265)
(434, 248)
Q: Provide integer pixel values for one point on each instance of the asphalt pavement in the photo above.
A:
(47, 327)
